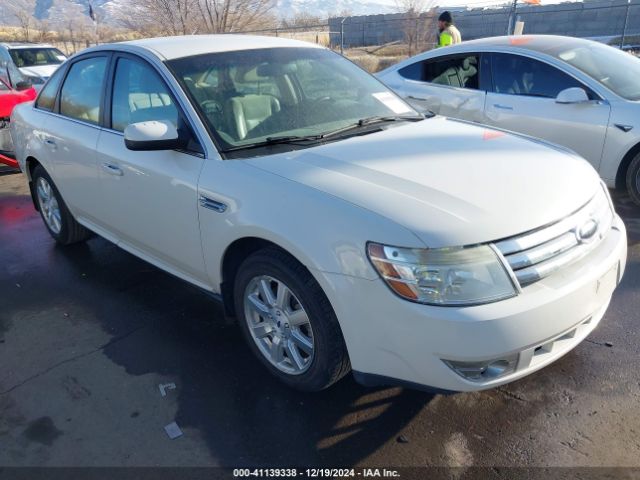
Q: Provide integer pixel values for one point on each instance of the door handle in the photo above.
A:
(112, 169)
(420, 99)
(502, 107)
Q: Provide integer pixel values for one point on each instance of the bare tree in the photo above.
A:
(23, 11)
(42, 31)
(221, 16)
(71, 24)
(413, 7)
(161, 17)
(184, 17)
(303, 19)
(418, 20)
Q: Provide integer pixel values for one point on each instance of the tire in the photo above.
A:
(633, 180)
(313, 370)
(54, 212)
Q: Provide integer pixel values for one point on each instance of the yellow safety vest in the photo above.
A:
(449, 36)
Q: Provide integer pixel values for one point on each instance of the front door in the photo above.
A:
(149, 198)
(523, 100)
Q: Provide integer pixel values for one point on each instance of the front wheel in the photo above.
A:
(633, 180)
(288, 322)
(55, 214)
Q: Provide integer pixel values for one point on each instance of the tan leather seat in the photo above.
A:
(469, 71)
(249, 111)
(448, 77)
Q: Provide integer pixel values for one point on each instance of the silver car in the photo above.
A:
(573, 92)
(34, 62)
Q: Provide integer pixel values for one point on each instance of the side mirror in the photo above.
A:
(572, 95)
(24, 85)
(152, 135)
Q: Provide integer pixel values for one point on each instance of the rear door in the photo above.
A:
(523, 99)
(450, 86)
(71, 133)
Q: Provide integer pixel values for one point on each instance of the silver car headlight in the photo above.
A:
(443, 276)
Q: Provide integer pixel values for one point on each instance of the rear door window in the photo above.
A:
(47, 98)
(81, 94)
(460, 71)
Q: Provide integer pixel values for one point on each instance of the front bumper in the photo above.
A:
(391, 338)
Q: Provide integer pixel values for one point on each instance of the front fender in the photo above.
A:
(323, 232)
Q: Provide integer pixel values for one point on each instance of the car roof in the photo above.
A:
(11, 45)
(536, 43)
(176, 47)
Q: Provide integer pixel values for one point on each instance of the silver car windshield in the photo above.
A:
(613, 68)
(254, 97)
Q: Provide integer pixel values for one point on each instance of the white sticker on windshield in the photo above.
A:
(392, 102)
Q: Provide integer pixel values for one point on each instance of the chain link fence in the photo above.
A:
(376, 41)
(612, 21)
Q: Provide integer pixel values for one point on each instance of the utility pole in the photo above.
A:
(94, 19)
(512, 16)
(624, 29)
(342, 35)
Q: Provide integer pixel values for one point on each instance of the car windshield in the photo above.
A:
(278, 95)
(617, 70)
(33, 57)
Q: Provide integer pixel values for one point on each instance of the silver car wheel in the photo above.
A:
(279, 325)
(48, 205)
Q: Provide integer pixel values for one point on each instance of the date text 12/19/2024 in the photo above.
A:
(315, 473)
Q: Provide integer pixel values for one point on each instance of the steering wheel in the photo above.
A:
(211, 107)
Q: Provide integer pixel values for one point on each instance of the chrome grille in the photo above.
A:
(537, 254)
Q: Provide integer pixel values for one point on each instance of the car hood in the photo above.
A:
(448, 182)
(43, 71)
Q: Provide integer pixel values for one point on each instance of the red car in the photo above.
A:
(9, 98)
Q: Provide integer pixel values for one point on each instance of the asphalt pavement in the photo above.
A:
(89, 332)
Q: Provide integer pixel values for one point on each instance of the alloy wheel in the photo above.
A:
(279, 325)
(48, 205)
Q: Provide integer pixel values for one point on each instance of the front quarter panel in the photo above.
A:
(323, 232)
(618, 142)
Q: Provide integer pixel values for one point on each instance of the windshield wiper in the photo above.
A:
(292, 139)
(363, 122)
(275, 141)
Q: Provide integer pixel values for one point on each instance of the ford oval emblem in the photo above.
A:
(587, 231)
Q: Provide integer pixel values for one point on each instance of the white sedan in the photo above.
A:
(341, 228)
(573, 92)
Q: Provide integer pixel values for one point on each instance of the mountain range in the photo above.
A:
(109, 8)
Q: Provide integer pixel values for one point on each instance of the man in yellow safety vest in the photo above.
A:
(448, 34)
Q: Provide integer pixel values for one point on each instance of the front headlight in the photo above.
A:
(443, 276)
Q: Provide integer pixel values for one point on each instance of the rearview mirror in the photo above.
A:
(152, 135)
(572, 95)
(24, 85)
